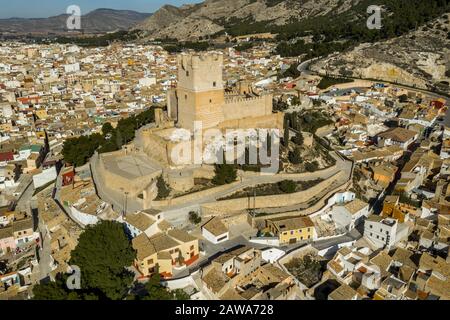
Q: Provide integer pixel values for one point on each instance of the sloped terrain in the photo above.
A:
(420, 58)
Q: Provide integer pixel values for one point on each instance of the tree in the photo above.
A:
(50, 291)
(287, 186)
(194, 217)
(107, 128)
(156, 291)
(295, 157)
(103, 253)
(403, 98)
(163, 189)
(286, 132)
(58, 290)
(312, 166)
(298, 139)
(224, 174)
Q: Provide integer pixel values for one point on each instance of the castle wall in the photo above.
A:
(238, 108)
(281, 200)
(205, 106)
(155, 147)
(172, 104)
(115, 182)
(274, 120)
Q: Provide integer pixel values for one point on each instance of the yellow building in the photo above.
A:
(292, 230)
(384, 174)
(41, 114)
(393, 208)
(163, 252)
(6, 127)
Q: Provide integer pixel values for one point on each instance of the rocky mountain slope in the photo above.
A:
(100, 20)
(212, 16)
(420, 58)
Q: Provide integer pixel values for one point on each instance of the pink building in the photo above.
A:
(7, 242)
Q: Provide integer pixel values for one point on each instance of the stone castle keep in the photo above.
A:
(199, 96)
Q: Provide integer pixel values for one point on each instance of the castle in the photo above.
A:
(199, 96)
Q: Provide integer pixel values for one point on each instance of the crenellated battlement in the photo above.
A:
(200, 60)
(229, 100)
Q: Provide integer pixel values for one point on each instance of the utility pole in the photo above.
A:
(126, 202)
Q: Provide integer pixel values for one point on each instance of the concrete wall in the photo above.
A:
(84, 218)
(45, 177)
(330, 251)
(181, 282)
(270, 241)
(273, 201)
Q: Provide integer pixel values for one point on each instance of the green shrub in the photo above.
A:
(287, 186)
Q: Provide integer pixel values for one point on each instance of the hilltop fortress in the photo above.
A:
(200, 96)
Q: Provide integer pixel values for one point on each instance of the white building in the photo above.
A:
(150, 222)
(215, 231)
(350, 214)
(384, 232)
(73, 67)
(398, 136)
(147, 81)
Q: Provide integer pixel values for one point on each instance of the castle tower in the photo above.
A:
(200, 92)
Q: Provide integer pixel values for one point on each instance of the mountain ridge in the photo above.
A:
(98, 20)
(212, 16)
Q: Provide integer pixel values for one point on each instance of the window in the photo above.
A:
(387, 232)
(292, 232)
(371, 234)
(185, 96)
(192, 247)
(214, 84)
(309, 229)
(370, 226)
(222, 238)
(210, 100)
(187, 73)
(150, 261)
(378, 237)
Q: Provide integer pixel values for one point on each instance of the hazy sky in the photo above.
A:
(46, 8)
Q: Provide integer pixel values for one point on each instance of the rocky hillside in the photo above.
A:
(212, 16)
(420, 58)
(100, 20)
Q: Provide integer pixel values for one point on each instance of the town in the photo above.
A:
(358, 208)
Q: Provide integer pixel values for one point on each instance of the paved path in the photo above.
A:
(247, 181)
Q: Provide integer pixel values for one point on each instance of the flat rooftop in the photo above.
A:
(131, 166)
